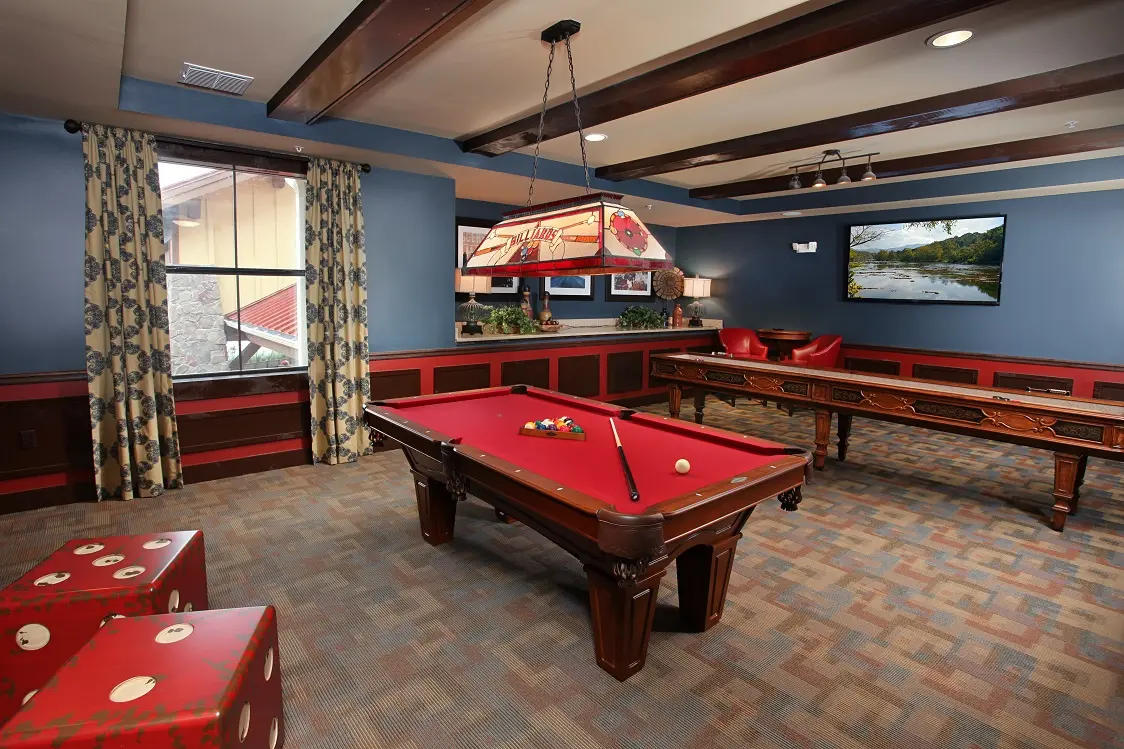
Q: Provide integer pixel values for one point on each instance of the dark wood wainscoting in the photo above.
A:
(397, 383)
(959, 375)
(48, 435)
(216, 430)
(625, 371)
(247, 384)
(1015, 381)
(461, 377)
(874, 366)
(580, 375)
(1109, 391)
(526, 372)
(222, 469)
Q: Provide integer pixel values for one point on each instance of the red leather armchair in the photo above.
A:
(825, 351)
(743, 343)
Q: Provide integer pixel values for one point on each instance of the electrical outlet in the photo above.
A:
(28, 440)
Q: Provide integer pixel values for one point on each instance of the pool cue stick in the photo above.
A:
(632, 491)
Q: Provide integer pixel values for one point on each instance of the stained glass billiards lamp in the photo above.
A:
(699, 288)
(593, 234)
(472, 311)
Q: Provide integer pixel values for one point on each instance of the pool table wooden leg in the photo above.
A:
(704, 579)
(622, 619)
(437, 510)
(700, 405)
(1067, 468)
(844, 435)
(674, 400)
(823, 436)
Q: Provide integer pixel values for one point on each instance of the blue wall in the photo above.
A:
(1062, 295)
(42, 201)
(599, 306)
(410, 259)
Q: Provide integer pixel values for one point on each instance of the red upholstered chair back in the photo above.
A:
(825, 351)
(743, 343)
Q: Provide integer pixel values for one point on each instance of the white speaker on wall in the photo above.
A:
(805, 247)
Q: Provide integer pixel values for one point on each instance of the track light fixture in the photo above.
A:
(869, 175)
(832, 154)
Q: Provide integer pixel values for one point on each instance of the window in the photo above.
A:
(235, 257)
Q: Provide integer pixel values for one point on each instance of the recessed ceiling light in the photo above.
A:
(1071, 124)
(793, 213)
(596, 137)
(947, 39)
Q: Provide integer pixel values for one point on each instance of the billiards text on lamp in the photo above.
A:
(591, 235)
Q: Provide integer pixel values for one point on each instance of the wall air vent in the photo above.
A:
(214, 80)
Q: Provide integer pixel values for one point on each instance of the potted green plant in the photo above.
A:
(511, 319)
(637, 317)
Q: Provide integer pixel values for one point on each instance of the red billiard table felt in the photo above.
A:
(490, 422)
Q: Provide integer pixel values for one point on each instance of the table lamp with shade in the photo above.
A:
(472, 311)
(699, 288)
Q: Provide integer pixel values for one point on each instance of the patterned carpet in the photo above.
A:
(917, 600)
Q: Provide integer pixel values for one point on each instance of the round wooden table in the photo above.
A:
(781, 342)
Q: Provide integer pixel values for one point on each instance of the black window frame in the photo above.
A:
(217, 156)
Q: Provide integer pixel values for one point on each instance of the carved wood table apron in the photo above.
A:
(1073, 428)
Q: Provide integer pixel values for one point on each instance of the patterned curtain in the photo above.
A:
(339, 380)
(128, 356)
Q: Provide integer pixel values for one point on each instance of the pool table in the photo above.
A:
(574, 493)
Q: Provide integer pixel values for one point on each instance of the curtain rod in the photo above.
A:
(74, 126)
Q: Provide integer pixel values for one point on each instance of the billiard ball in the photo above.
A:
(682, 466)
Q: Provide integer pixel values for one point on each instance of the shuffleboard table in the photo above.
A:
(574, 492)
(1073, 428)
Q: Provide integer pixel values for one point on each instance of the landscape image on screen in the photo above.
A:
(945, 261)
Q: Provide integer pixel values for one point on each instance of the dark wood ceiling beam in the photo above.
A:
(997, 153)
(376, 38)
(1074, 82)
(836, 28)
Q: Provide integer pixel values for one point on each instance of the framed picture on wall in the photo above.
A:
(634, 285)
(568, 287)
(470, 233)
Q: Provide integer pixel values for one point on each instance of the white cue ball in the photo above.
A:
(682, 466)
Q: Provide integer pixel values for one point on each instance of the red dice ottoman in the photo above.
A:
(206, 678)
(53, 610)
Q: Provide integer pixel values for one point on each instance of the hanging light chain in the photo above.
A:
(542, 120)
(577, 115)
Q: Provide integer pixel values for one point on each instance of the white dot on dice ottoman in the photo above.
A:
(33, 637)
(244, 722)
(131, 689)
(268, 664)
(89, 549)
(273, 729)
(108, 560)
(174, 633)
(158, 543)
(27, 697)
(109, 618)
(173, 601)
(187, 607)
(52, 579)
(126, 572)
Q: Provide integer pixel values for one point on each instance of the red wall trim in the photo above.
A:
(43, 390)
(44, 481)
(1083, 376)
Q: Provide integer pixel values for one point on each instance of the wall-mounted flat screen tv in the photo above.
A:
(947, 261)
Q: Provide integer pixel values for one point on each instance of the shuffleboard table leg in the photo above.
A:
(844, 435)
(823, 436)
(1067, 468)
(437, 510)
(674, 400)
(1078, 483)
(622, 619)
(700, 405)
(704, 579)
